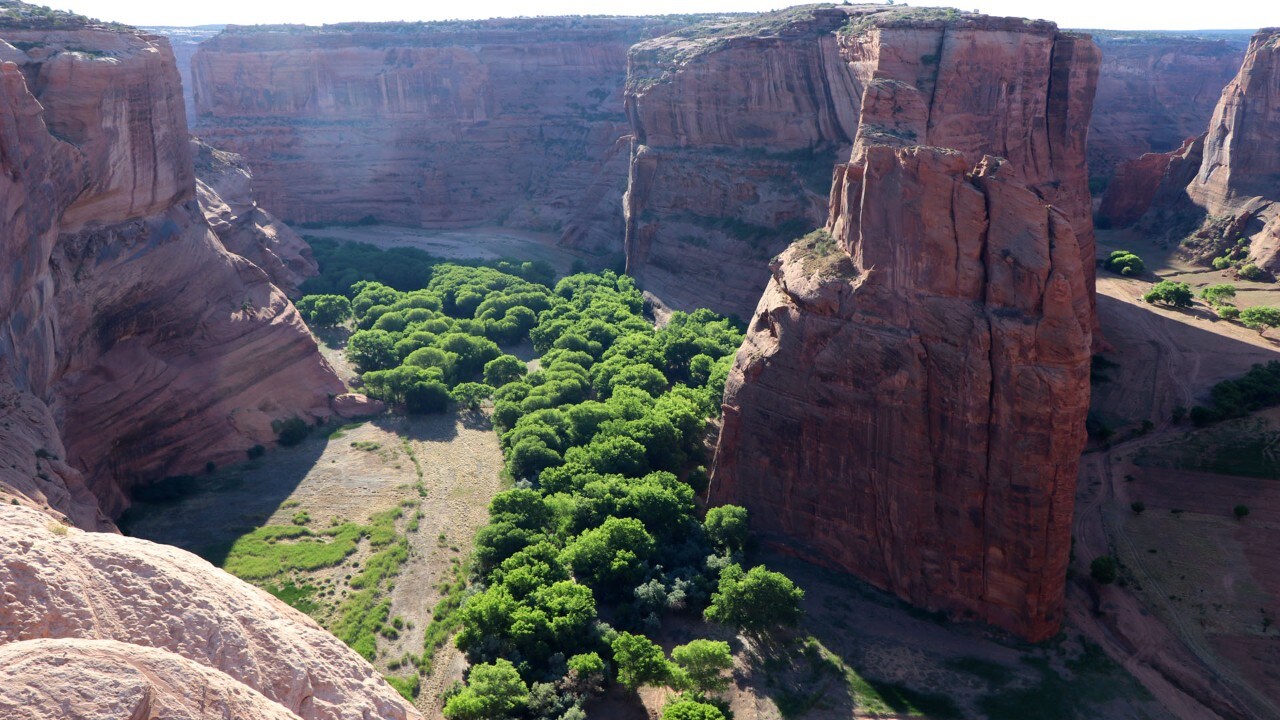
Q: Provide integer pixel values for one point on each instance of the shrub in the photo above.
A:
(701, 666)
(471, 394)
(324, 310)
(1260, 318)
(1218, 294)
(1124, 262)
(1104, 570)
(293, 431)
(726, 528)
(759, 600)
(1241, 511)
(1221, 263)
(1137, 506)
(256, 452)
(493, 691)
(504, 369)
(691, 710)
(1252, 272)
(639, 661)
(431, 396)
(1167, 292)
(1228, 312)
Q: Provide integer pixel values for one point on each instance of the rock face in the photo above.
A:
(153, 348)
(1222, 188)
(133, 345)
(909, 402)
(160, 605)
(84, 680)
(515, 122)
(703, 212)
(736, 126)
(185, 41)
(1155, 90)
(224, 187)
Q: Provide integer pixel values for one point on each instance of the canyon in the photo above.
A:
(910, 189)
(134, 345)
(1218, 193)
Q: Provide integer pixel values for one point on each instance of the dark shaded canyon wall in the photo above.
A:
(515, 122)
(133, 345)
(909, 403)
(1223, 187)
(1155, 90)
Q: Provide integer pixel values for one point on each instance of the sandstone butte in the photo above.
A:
(909, 403)
(1222, 187)
(813, 80)
(134, 345)
(515, 122)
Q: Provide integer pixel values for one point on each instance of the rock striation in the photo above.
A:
(515, 122)
(133, 345)
(703, 213)
(81, 680)
(224, 187)
(1219, 193)
(1155, 90)
(153, 348)
(909, 403)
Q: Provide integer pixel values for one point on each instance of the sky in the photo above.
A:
(1111, 14)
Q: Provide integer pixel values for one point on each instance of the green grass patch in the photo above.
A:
(444, 618)
(361, 619)
(296, 596)
(408, 687)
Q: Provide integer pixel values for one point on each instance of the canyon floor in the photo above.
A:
(484, 243)
(1189, 615)
(1196, 604)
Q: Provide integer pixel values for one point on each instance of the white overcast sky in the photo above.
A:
(1115, 14)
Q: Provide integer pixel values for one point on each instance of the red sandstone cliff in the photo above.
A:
(153, 348)
(224, 187)
(1155, 90)
(515, 122)
(134, 345)
(704, 213)
(909, 403)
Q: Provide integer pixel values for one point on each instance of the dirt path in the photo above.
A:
(1166, 359)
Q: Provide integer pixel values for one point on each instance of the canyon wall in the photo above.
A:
(134, 345)
(718, 185)
(1155, 90)
(737, 124)
(515, 122)
(909, 402)
(1219, 195)
(151, 348)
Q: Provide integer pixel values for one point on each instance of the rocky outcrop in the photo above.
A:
(86, 679)
(224, 187)
(133, 345)
(151, 347)
(1155, 90)
(703, 213)
(60, 582)
(515, 122)
(1221, 192)
(909, 402)
(185, 41)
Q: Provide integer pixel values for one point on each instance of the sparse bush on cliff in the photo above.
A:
(1124, 262)
(1167, 292)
